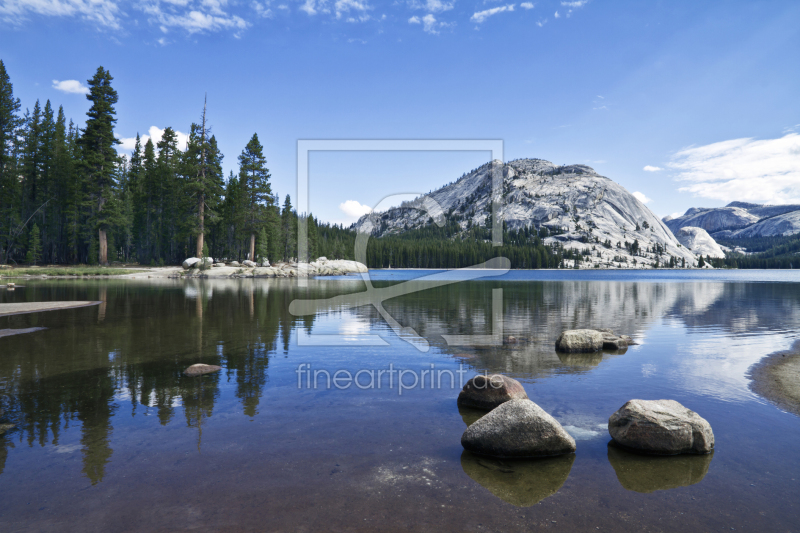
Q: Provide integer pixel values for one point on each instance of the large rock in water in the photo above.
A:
(517, 428)
(487, 392)
(190, 262)
(580, 341)
(200, 369)
(663, 427)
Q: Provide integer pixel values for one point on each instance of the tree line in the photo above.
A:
(68, 197)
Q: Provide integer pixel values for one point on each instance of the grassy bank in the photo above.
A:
(74, 271)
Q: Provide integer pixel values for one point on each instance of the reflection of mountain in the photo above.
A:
(649, 473)
(521, 482)
(133, 359)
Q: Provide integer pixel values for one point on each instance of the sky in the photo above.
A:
(684, 103)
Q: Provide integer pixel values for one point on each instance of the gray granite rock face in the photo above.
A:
(517, 428)
(586, 210)
(663, 427)
(740, 220)
(488, 392)
(699, 242)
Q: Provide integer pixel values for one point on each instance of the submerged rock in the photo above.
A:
(649, 473)
(522, 482)
(487, 392)
(517, 428)
(200, 369)
(579, 341)
(662, 427)
(190, 262)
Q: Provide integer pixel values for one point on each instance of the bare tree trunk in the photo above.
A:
(103, 249)
(200, 236)
(252, 247)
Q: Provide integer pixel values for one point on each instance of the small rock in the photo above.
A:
(249, 264)
(200, 369)
(580, 341)
(487, 392)
(517, 428)
(218, 265)
(189, 263)
(234, 263)
(663, 427)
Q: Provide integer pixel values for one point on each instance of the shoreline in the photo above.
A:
(776, 378)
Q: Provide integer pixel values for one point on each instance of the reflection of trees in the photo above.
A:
(88, 370)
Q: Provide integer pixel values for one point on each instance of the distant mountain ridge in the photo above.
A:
(741, 220)
(580, 209)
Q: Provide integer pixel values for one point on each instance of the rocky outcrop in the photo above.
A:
(740, 220)
(321, 267)
(570, 206)
(699, 242)
(579, 341)
(516, 429)
(488, 392)
(200, 369)
(190, 262)
(663, 427)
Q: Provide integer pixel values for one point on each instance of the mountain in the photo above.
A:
(572, 206)
(739, 220)
(699, 241)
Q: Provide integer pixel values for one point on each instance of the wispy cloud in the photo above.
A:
(263, 10)
(70, 86)
(432, 6)
(192, 17)
(651, 168)
(104, 13)
(575, 4)
(480, 16)
(430, 24)
(527, 5)
(742, 169)
(557, 15)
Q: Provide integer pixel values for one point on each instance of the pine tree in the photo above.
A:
(256, 190)
(9, 184)
(99, 158)
(203, 173)
(288, 229)
(34, 246)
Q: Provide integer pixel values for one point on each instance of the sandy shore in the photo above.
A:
(777, 378)
(34, 307)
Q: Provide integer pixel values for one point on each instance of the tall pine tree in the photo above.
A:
(99, 158)
(255, 188)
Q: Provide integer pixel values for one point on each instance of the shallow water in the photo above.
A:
(110, 435)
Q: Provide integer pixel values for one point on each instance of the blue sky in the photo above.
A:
(705, 95)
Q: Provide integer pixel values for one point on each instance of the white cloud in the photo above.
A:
(541, 23)
(651, 168)
(127, 144)
(429, 23)
(414, 20)
(310, 7)
(575, 4)
(641, 197)
(346, 6)
(104, 13)
(527, 5)
(557, 15)
(70, 86)
(262, 10)
(432, 6)
(202, 16)
(480, 16)
(354, 210)
(742, 169)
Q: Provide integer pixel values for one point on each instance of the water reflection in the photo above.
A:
(522, 482)
(470, 415)
(649, 473)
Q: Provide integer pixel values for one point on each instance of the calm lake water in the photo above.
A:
(111, 436)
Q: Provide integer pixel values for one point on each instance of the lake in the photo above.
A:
(111, 436)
